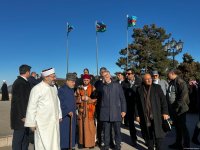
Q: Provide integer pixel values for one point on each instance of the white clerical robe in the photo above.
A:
(44, 112)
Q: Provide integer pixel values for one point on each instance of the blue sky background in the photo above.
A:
(34, 32)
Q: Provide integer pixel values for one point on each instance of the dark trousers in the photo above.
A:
(152, 140)
(107, 130)
(100, 133)
(182, 133)
(20, 139)
(132, 125)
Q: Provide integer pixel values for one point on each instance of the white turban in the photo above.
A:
(48, 72)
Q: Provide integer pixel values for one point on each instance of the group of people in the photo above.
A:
(96, 109)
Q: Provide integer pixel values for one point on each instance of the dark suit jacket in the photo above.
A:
(181, 102)
(130, 93)
(20, 96)
(99, 88)
(32, 81)
(159, 107)
(182, 97)
(113, 102)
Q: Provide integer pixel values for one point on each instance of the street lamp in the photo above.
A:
(173, 48)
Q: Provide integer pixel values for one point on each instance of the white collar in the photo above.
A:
(24, 78)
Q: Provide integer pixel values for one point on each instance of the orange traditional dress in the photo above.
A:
(86, 123)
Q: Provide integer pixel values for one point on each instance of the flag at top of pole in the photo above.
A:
(69, 28)
(131, 21)
(100, 27)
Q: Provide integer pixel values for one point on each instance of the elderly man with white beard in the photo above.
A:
(44, 113)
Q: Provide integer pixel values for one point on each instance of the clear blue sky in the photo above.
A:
(34, 32)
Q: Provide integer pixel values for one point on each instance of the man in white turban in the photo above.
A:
(44, 113)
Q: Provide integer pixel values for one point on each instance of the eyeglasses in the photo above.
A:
(155, 75)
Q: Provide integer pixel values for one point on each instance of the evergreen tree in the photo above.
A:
(146, 51)
(189, 68)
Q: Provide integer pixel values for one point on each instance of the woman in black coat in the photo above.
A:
(4, 90)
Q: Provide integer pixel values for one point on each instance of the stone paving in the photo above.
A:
(6, 132)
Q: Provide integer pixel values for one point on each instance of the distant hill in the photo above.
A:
(9, 88)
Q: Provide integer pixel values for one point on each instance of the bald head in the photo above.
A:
(147, 79)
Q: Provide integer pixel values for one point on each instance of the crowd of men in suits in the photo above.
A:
(97, 108)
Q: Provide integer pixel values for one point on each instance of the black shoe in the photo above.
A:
(195, 141)
(103, 148)
(117, 147)
(80, 146)
(134, 143)
(112, 145)
(176, 146)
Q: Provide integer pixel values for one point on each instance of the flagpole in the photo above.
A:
(127, 44)
(96, 49)
(67, 48)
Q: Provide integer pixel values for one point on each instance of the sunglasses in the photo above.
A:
(128, 73)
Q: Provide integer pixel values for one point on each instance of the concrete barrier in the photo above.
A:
(6, 141)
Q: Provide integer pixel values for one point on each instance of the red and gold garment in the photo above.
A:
(86, 123)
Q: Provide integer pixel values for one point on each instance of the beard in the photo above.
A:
(155, 81)
(53, 83)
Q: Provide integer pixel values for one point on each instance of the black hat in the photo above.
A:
(155, 72)
(71, 77)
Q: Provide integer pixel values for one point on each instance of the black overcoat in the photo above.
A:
(159, 107)
(20, 96)
(4, 90)
(130, 93)
(113, 102)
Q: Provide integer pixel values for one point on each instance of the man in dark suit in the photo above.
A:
(32, 79)
(112, 109)
(151, 110)
(99, 87)
(178, 99)
(129, 86)
(120, 77)
(20, 95)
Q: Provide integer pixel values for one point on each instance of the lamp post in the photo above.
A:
(173, 48)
